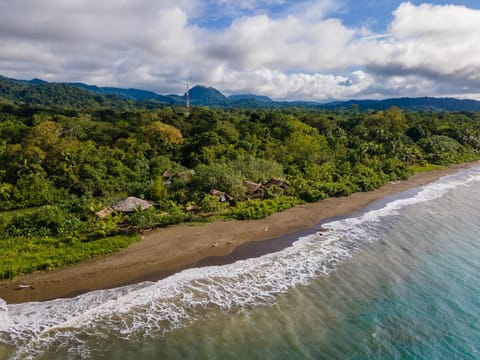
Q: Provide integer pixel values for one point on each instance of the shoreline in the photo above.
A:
(165, 251)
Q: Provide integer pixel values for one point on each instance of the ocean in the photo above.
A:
(398, 280)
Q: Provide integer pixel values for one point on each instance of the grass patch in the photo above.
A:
(22, 255)
(23, 211)
(419, 168)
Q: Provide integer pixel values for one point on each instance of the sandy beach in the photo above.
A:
(165, 251)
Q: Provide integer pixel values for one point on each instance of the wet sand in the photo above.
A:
(164, 251)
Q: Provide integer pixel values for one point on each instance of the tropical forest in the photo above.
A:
(64, 166)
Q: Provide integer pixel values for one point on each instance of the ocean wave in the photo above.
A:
(429, 192)
(154, 308)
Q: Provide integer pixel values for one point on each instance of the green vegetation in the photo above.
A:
(21, 255)
(59, 166)
(419, 168)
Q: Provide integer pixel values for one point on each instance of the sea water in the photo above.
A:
(399, 280)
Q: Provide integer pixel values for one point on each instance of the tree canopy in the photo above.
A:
(58, 166)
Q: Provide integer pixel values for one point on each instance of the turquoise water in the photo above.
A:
(397, 281)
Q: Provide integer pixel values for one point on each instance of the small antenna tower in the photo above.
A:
(188, 100)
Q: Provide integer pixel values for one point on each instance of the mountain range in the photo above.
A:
(77, 95)
(199, 95)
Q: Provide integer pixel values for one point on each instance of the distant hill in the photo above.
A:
(201, 95)
(239, 97)
(414, 104)
(38, 92)
(133, 94)
(36, 82)
(79, 95)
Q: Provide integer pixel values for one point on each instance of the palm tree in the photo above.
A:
(5, 190)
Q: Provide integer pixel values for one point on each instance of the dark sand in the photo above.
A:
(165, 251)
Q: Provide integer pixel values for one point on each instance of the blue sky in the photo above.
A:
(375, 14)
(309, 49)
(378, 13)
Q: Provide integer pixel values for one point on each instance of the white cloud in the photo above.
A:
(431, 42)
(435, 22)
(77, 40)
(299, 52)
(286, 43)
(283, 86)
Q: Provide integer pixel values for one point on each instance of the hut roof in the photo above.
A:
(220, 194)
(216, 192)
(131, 204)
(193, 208)
(104, 212)
(278, 182)
(251, 186)
(167, 174)
(186, 176)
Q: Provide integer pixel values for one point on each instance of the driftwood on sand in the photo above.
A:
(24, 286)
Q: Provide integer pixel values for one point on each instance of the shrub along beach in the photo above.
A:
(81, 182)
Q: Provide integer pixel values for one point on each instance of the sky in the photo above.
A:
(315, 50)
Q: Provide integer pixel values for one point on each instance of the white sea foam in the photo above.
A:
(430, 192)
(151, 309)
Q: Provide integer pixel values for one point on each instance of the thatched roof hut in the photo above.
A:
(277, 182)
(167, 174)
(186, 176)
(104, 212)
(252, 187)
(193, 208)
(254, 190)
(127, 205)
(221, 195)
(131, 203)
